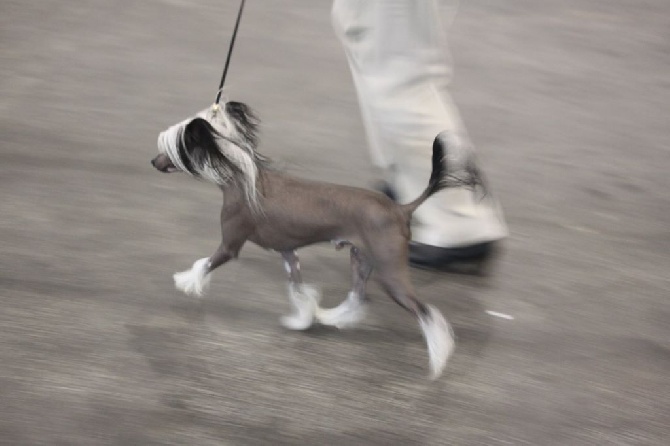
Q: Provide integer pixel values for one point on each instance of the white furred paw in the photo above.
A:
(439, 340)
(346, 315)
(195, 281)
(305, 302)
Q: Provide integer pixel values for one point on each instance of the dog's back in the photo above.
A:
(297, 212)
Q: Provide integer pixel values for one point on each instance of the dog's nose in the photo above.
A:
(153, 162)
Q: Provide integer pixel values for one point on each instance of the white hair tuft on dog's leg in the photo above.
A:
(347, 314)
(195, 281)
(439, 339)
(305, 302)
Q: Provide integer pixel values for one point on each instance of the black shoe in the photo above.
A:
(472, 259)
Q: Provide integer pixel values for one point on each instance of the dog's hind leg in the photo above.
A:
(352, 310)
(394, 278)
(304, 298)
(195, 281)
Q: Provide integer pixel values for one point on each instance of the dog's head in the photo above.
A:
(217, 145)
(202, 142)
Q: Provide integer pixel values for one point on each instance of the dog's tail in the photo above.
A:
(438, 176)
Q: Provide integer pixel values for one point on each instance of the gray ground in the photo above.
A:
(569, 107)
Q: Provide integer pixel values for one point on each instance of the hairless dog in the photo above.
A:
(282, 213)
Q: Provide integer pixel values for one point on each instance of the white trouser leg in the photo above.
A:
(398, 55)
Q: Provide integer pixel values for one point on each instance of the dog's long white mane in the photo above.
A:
(232, 144)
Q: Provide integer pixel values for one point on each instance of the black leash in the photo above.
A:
(230, 52)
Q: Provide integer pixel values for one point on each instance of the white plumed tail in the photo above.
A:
(439, 340)
(195, 281)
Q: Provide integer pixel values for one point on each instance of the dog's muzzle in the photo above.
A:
(163, 163)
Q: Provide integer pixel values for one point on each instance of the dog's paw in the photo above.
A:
(346, 315)
(195, 281)
(305, 301)
(439, 339)
(296, 322)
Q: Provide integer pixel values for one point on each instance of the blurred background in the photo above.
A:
(567, 103)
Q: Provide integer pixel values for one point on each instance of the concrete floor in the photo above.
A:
(568, 104)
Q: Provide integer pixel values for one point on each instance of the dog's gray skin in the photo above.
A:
(297, 212)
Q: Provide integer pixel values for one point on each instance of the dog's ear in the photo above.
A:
(200, 143)
(202, 149)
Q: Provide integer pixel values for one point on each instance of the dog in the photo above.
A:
(283, 213)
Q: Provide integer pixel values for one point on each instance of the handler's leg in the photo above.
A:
(398, 55)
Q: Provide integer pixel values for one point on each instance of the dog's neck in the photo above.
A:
(235, 196)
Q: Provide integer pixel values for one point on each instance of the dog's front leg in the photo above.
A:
(304, 298)
(195, 281)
